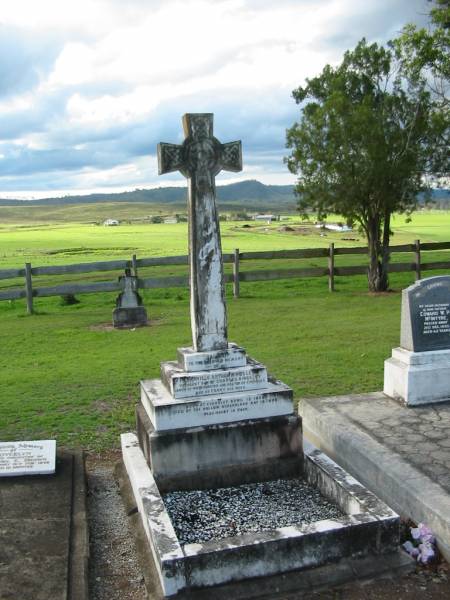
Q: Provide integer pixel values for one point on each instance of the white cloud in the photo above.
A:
(89, 87)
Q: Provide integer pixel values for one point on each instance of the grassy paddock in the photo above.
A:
(69, 243)
(56, 243)
(66, 373)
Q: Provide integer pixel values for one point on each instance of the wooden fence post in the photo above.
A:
(29, 288)
(236, 273)
(417, 258)
(134, 265)
(331, 268)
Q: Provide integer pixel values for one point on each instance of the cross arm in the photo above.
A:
(231, 159)
(170, 158)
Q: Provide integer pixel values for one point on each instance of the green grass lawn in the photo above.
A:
(65, 373)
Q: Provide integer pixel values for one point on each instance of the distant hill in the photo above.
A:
(251, 194)
(440, 197)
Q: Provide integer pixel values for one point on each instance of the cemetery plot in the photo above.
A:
(232, 425)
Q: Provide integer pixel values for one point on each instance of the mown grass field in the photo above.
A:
(28, 240)
(66, 373)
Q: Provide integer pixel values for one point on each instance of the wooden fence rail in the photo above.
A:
(29, 291)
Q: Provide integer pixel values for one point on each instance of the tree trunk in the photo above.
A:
(378, 255)
(385, 254)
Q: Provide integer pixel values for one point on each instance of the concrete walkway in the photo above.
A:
(400, 453)
(43, 531)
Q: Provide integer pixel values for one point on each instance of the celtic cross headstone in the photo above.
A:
(200, 158)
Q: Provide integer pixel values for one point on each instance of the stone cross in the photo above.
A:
(200, 158)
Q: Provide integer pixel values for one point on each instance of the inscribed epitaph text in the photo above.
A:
(200, 158)
(426, 315)
(27, 458)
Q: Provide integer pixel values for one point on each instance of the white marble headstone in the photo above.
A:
(27, 458)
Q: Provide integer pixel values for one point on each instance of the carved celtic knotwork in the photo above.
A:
(198, 126)
(170, 158)
(201, 153)
(231, 159)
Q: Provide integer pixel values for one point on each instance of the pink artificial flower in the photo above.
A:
(411, 549)
(426, 535)
(426, 553)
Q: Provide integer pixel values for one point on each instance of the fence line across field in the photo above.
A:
(331, 270)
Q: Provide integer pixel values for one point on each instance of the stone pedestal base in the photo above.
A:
(167, 412)
(221, 455)
(129, 317)
(418, 377)
(217, 419)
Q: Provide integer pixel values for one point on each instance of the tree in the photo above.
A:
(423, 55)
(365, 139)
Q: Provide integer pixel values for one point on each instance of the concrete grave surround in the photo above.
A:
(27, 458)
(217, 418)
(44, 549)
(368, 527)
(419, 371)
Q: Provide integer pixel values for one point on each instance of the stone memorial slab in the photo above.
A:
(166, 412)
(419, 371)
(425, 323)
(27, 458)
(230, 357)
(204, 383)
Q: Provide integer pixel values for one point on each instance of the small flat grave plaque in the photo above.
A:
(425, 322)
(27, 458)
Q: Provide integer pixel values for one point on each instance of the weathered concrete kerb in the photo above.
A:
(400, 453)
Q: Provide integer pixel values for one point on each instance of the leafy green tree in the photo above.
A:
(423, 56)
(366, 137)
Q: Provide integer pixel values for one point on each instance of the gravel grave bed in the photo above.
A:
(202, 515)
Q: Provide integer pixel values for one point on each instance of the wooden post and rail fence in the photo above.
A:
(29, 291)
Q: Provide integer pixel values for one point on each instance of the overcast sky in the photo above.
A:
(89, 87)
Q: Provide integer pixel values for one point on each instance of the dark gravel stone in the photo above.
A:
(202, 515)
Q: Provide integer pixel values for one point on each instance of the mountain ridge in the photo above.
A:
(242, 195)
(250, 193)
